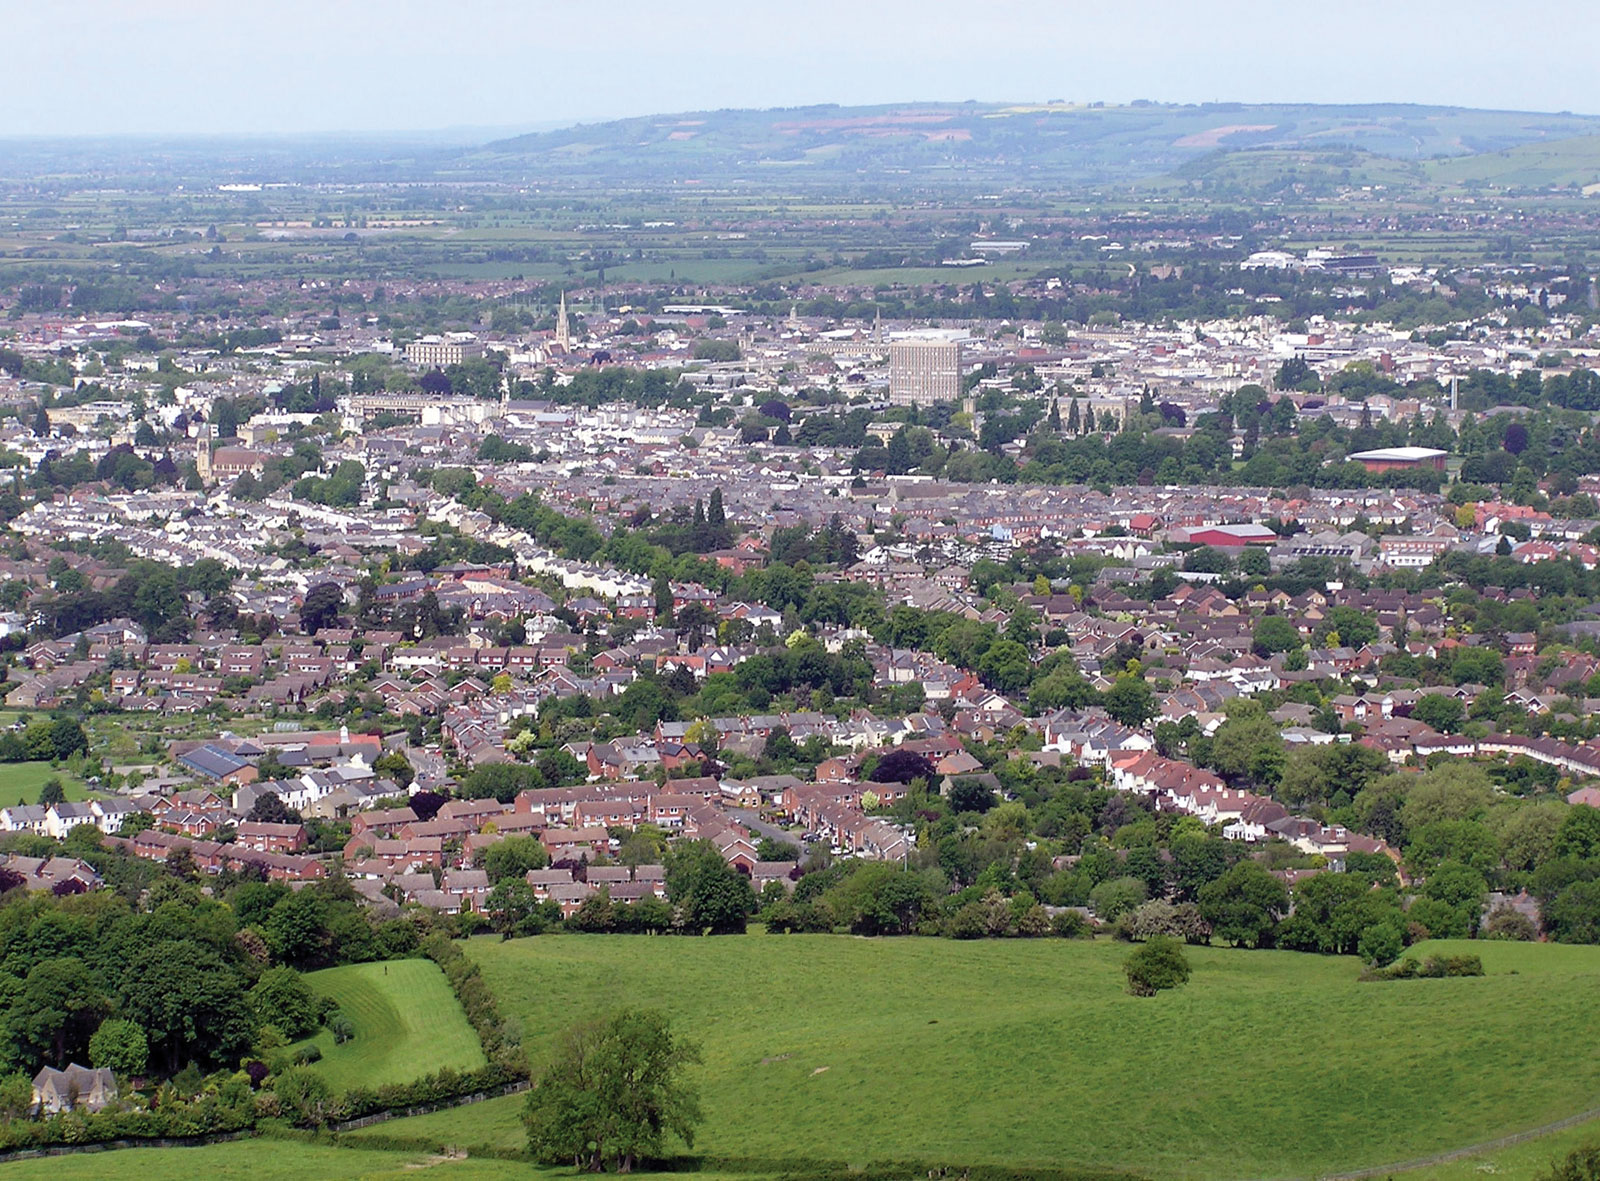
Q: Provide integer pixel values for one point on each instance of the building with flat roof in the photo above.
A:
(1389, 459)
(924, 370)
(435, 352)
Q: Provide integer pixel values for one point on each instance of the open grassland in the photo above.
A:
(21, 782)
(408, 1023)
(259, 1160)
(1268, 1064)
(283, 1160)
(1520, 1162)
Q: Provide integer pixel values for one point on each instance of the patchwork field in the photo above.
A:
(407, 1021)
(1269, 1064)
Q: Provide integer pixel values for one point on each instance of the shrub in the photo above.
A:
(1158, 964)
(1435, 967)
(1070, 924)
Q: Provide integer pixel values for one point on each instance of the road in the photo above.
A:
(752, 820)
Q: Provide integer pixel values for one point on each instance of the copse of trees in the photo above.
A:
(176, 977)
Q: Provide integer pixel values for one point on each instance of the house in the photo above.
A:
(75, 1088)
(275, 838)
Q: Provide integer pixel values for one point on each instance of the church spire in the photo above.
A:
(563, 329)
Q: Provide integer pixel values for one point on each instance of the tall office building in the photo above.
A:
(924, 369)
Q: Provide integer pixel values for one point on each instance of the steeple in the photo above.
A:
(563, 329)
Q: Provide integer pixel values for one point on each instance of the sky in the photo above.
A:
(253, 67)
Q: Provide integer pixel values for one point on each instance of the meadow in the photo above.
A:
(408, 1023)
(21, 782)
(1268, 1064)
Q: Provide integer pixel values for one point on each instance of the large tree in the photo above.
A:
(1245, 905)
(613, 1093)
(321, 607)
(708, 893)
(190, 1004)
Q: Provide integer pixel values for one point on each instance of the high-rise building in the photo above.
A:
(924, 369)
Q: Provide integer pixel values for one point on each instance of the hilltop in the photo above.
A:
(944, 143)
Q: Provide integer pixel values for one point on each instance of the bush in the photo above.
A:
(1435, 967)
(1505, 923)
(1382, 942)
(1070, 924)
(1159, 964)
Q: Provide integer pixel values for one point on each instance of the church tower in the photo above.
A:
(202, 453)
(563, 339)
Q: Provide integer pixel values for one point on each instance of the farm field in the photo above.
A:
(408, 1023)
(827, 1048)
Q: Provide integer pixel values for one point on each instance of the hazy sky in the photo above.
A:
(261, 66)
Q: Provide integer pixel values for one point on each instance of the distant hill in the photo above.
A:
(1052, 142)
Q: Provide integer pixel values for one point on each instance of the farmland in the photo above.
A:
(979, 1052)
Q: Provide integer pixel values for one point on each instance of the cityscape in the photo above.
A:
(991, 639)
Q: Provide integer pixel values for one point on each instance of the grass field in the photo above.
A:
(23, 781)
(407, 1021)
(1520, 1162)
(259, 1160)
(282, 1160)
(1268, 1064)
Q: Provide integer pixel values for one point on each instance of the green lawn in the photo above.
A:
(407, 1021)
(1268, 1064)
(23, 781)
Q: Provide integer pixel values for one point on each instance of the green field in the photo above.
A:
(282, 1160)
(20, 782)
(408, 1023)
(258, 1160)
(1269, 1064)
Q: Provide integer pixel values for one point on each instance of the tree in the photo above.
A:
(970, 795)
(321, 607)
(1130, 701)
(59, 1006)
(395, 766)
(1440, 710)
(1157, 964)
(283, 999)
(67, 738)
(1573, 915)
(1115, 897)
(121, 1047)
(613, 1093)
(513, 857)
(304, 1093)
(1245, 905)
(269, 808)
(902, 766)
(52, 793)
(297, 931)
(709, 895)
(1274, 633)
(189, 1003)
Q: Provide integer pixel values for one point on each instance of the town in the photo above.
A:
(1101, 597)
